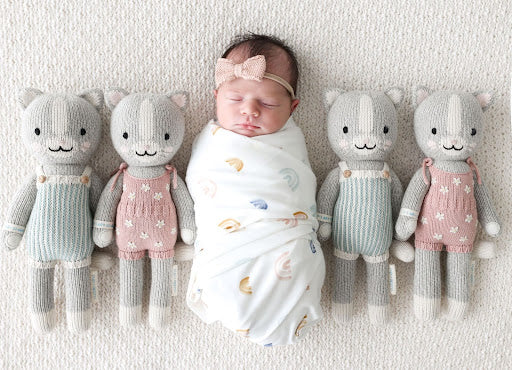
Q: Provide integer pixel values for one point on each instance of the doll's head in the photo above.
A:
(146, 129)
(362, 125)
(61, 128)
(256, 81)
(448, 125)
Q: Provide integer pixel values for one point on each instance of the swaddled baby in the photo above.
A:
(258, 267)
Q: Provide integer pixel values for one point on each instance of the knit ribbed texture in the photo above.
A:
(363, 217)
(130, 291)
(160, 298)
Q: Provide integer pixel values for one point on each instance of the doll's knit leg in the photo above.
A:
(344, 277)
(130, 299)
(427, 284)
(78, 297)
(457, 284)
(378, 288)
(41, 296)
(160, 296)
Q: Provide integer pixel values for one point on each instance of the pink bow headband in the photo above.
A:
(252, 69)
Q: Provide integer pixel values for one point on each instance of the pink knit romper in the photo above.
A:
(448, 215)
(146, 216)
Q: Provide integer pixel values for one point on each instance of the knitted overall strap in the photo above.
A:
(473, 166)
(427, 162)
(121, 169)
(172, 169)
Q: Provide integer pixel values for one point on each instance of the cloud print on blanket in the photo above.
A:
(256, 234)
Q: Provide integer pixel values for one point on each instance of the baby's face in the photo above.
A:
(253, 108)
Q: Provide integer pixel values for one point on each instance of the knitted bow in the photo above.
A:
(252, 69)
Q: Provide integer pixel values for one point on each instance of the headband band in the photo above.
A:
(251, 69)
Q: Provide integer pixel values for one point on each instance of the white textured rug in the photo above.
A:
(172, 45)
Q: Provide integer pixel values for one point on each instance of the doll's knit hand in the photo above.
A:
(405, 226)
(102, 237)
(492, 228)
(324, 231)
(188, 236)
(484, 249)
(11, 239)
(404, 251)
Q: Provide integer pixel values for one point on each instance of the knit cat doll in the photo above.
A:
(361, 197)
(446, 198)
(146, 199)
(53, 208)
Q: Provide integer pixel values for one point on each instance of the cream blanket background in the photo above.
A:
(160, 45)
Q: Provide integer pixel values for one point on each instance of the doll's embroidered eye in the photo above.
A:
(37, 132)
(386, 129)
(345, 129)
(125, 135)
(473, 132)
(167, 137)
(434, 130)
(82, 131)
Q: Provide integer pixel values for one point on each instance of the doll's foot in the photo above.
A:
(43, 322)
(78, 321)
(342, 311)
(130, 316)
(378, 314)
(426, 309)
(158, 316)
(455, 309)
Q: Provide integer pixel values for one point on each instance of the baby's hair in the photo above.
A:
(267, 46)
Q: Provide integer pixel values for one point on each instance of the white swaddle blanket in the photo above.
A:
(258, 267)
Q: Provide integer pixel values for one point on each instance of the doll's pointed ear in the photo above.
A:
(420, 94)
(114, 95)
(27, 95)
(330, 97)
(93, 96)
(485, 99)
(180, 98)
(396, 94)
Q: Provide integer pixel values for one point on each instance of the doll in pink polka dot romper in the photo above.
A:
(146, 199)
(446, 198)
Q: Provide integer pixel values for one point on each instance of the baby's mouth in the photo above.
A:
(61, 149)
(365, 147)
(248, 126)
(454, 148)
(145, 153)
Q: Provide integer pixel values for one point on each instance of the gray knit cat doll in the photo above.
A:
(146, 201)
(53, 208)
(445, 198)
(361, 197)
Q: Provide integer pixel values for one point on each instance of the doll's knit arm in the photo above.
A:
(486, 213)
(96, 188)
(19, 213)
(185, 211)
(327, 196)
(397, 194)
(411, 205)
(105, 216)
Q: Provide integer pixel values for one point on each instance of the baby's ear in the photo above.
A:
(420, 94)
(330, 96)
(27, 95)
(180, 98)
(396, 94)
(485, 99)
(93, 96)
(114, 95)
